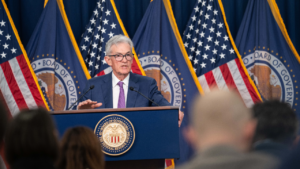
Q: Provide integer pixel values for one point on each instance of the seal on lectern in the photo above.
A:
(116, 134)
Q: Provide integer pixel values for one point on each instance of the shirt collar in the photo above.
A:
(115, 80)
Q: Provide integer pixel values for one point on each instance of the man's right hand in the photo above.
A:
(88, 104)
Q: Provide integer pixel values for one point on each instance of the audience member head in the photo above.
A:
(31, 133)
(221, 118)
(276, 121)
(3, 121)
(80, 149)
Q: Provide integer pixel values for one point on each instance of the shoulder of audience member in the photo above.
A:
(259, 160)
(252, 160)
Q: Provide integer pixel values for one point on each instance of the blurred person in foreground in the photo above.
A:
(80, 149)
(276, 130)
(222, 130)
(3, 121)
(31, 140)
(3, 126)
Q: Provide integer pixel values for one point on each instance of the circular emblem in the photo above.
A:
(163, 72)
(116, 134)
(270, 75)
(58, 87)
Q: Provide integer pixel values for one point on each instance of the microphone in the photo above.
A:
(132, 89)
(91, 87)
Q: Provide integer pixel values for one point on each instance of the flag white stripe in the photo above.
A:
(27, 95)
(239, 82)
(107, 70)
(219, 79)
(204, 84)
(9, 98)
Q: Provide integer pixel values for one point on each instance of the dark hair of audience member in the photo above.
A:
(80, 149)
(3, 121)
(31, 133)
(276, 121)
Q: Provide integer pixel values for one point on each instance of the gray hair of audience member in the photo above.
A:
(31, 133)
(221, 113)
(115, 40)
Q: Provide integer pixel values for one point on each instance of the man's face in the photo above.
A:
(123, 67)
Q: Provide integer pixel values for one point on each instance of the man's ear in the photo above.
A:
(249, 132)
(108, 60)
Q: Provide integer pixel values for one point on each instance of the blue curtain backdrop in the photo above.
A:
(26, 13)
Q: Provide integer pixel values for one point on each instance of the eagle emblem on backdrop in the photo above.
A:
(53, 89)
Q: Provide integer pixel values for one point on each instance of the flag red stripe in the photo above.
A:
(13, 85)
(229, 79)
(101, 73)
(210, 79)
(30, 80)
(250, 88)
(135, 68)
(227, 76)
(168, 162)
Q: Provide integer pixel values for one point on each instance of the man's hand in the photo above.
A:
(88, 104)
(180, 116)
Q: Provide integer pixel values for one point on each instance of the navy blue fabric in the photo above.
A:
(292, 160)
(102, 91)
(159, 51)
(275, 149)
(156, 131)
(7, 39)
(26, 14)
(264, 49)
(51, 51)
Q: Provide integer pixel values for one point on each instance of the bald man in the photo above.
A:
(222, 130)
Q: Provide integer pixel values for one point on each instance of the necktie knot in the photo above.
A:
(120, 83)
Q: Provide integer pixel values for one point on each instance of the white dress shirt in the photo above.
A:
(116, 89)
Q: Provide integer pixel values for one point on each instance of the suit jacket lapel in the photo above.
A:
(107, 91)
(131, 95)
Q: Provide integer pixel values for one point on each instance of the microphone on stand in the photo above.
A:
(91, 87)
(132, 89)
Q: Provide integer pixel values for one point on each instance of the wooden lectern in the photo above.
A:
(156, 133)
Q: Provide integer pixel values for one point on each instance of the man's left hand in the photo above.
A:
(180, 116)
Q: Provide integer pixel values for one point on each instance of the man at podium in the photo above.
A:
(122, 88)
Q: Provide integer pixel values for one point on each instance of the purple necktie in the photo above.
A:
(121, 102)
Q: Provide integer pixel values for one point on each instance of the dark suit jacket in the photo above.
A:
(275, 149)
(103, 93)
(227, 157)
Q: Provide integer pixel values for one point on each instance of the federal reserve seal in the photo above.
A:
(271, 76)
(116, 134)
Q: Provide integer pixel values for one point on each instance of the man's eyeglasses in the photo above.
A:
(119, 57)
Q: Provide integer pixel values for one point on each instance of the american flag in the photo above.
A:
(18, 85)
(213, 54)
(104, 24)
